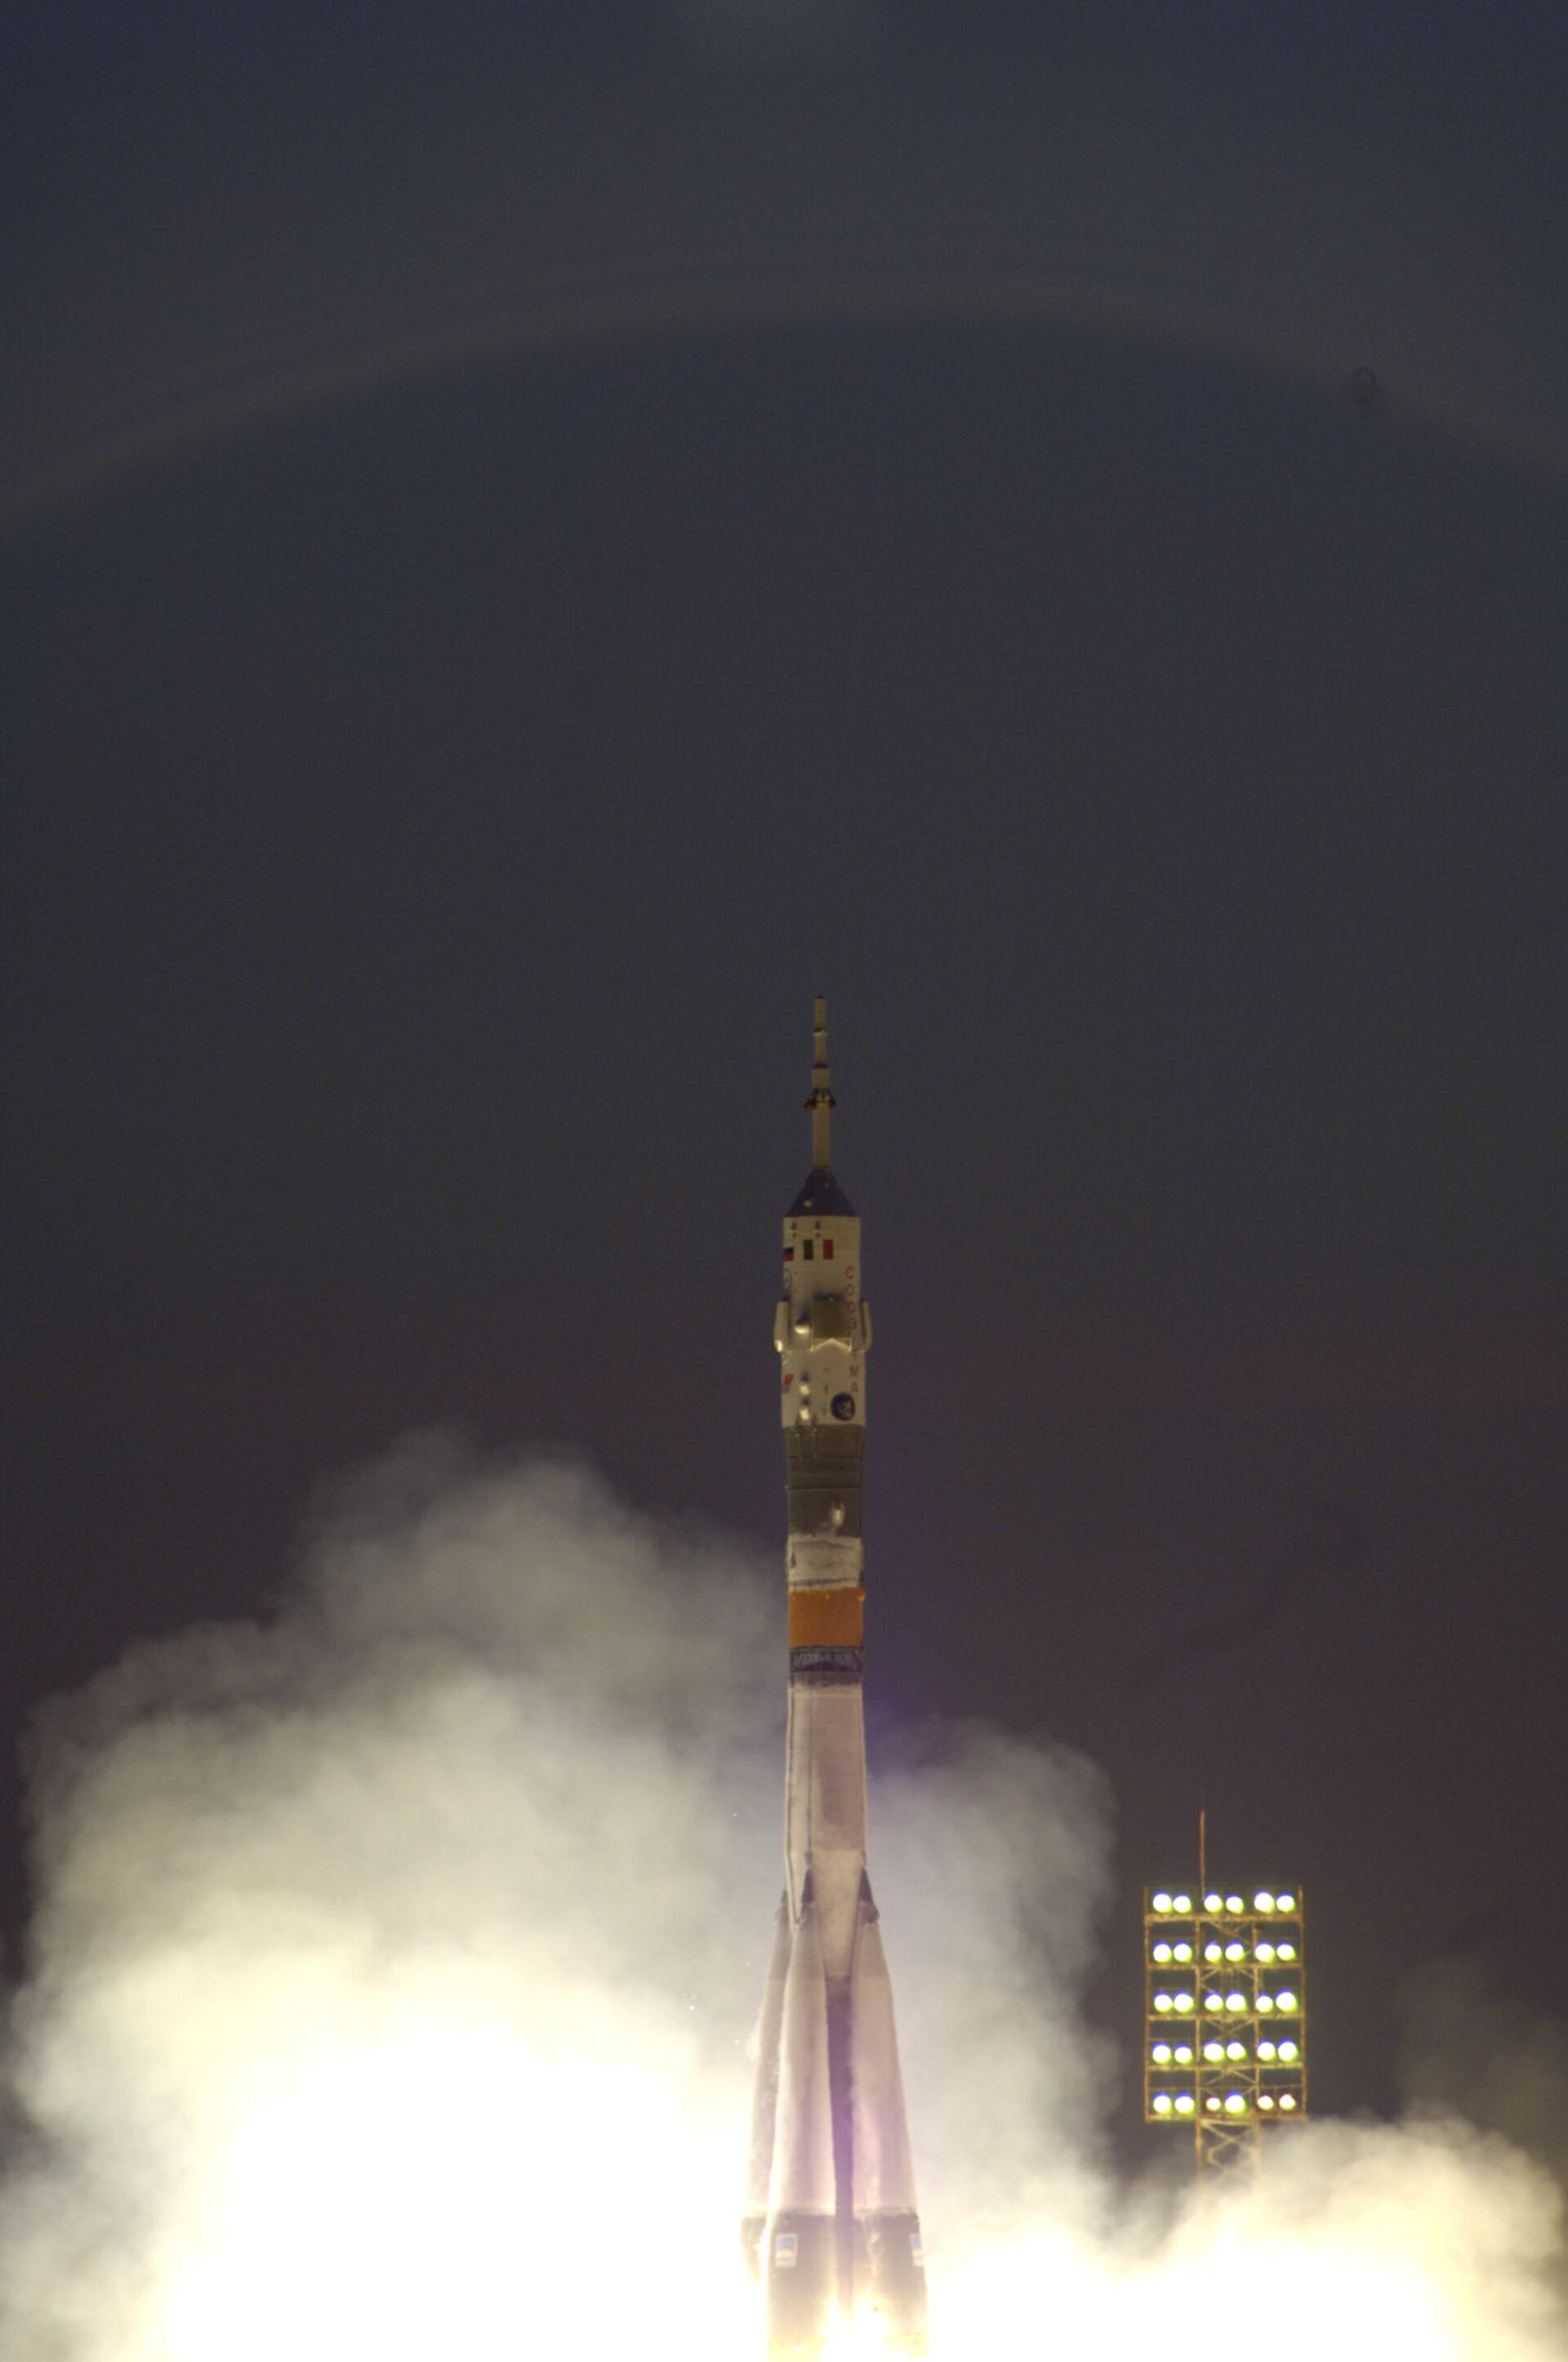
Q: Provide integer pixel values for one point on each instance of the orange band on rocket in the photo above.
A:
(825, 1619)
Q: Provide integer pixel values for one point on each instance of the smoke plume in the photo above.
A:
(396, 1960)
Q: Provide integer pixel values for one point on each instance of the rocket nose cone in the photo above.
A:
(820, 1194)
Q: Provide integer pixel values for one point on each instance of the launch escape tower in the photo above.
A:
(1225, 2012)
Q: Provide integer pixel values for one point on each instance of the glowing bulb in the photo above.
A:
(1263, 2100)
(1184, 2054)
(1214, 2050)
(1264, 1952)
(1162, 1952)
(1184, 2104)
(1184, 1951)
(1263, 1902)
(1212, 2105)
(1182, 1903)
(1265, 2000)
(1235, 2000)
(1286, 1951)
(1161, 1903)
(1288, 2050)
(1212, 1952)
(1285, 2001)
(1184, 2000)
(1162, 2001)
(1265, 2051)
(1286, 2100)
(1235, 2050)
(1285, 1903)
(1235, 1951)
(1234, 2103)
(1162, 2103)
(1161, 2054)
(1232, 1903)
(1211, 1902)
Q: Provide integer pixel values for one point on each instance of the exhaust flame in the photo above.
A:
(395, 1964)
(447, 2187)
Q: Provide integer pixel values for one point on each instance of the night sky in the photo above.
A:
(533, 541)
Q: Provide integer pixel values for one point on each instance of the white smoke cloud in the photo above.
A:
(992, 1865)
(396, 1958)
(1473, 2052)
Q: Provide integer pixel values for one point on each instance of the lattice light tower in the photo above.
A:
(1225, 2038)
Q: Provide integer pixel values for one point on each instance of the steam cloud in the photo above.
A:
(396, 1962)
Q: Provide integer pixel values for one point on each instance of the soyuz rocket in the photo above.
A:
(830, 2228)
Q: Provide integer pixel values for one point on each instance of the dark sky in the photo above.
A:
(530, 543)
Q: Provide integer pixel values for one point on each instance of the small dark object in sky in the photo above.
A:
(1330, 1538)
(1363, 391)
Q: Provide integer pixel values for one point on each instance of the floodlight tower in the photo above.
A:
(1225, 2004)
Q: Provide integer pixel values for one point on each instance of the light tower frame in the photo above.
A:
(1225, 2016)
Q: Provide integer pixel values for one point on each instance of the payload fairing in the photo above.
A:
(831, 2227)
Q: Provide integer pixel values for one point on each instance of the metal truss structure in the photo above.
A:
(1225, 2011)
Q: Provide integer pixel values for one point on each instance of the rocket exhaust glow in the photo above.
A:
(831, 2227)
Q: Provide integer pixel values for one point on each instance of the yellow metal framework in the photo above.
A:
(1225, 2017)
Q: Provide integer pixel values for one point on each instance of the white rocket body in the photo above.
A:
(831, 2225)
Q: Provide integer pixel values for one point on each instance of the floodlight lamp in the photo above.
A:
(1182, 1903)
(1162, 2001)
(1263, 1952)
(1160, 1902)
(1213, 2050)
(1263, 2100)
(1162, 1952)
(1235, 1951)
(1235, 2000)
(1288, 2050)
(1184, 2104)
(1285, 1903)
(1286, 1952)
(1287, 2099)
(1234, 2103)
(1232, 1903)
(1211, 1902)
(1212, 2104)
(1184, 2054)
(1212, 1952)
(1285, 2001)
(1161, 2054)
(1162, 2103)
(1235, 2050)
(1184, 1951)
(1263, 1902)
(1184, 2000)
(1265, 2051)
(1265, 2000)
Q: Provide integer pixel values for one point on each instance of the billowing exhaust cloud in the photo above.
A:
(396, 1960)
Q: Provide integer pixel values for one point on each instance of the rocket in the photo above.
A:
(831, 2228)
